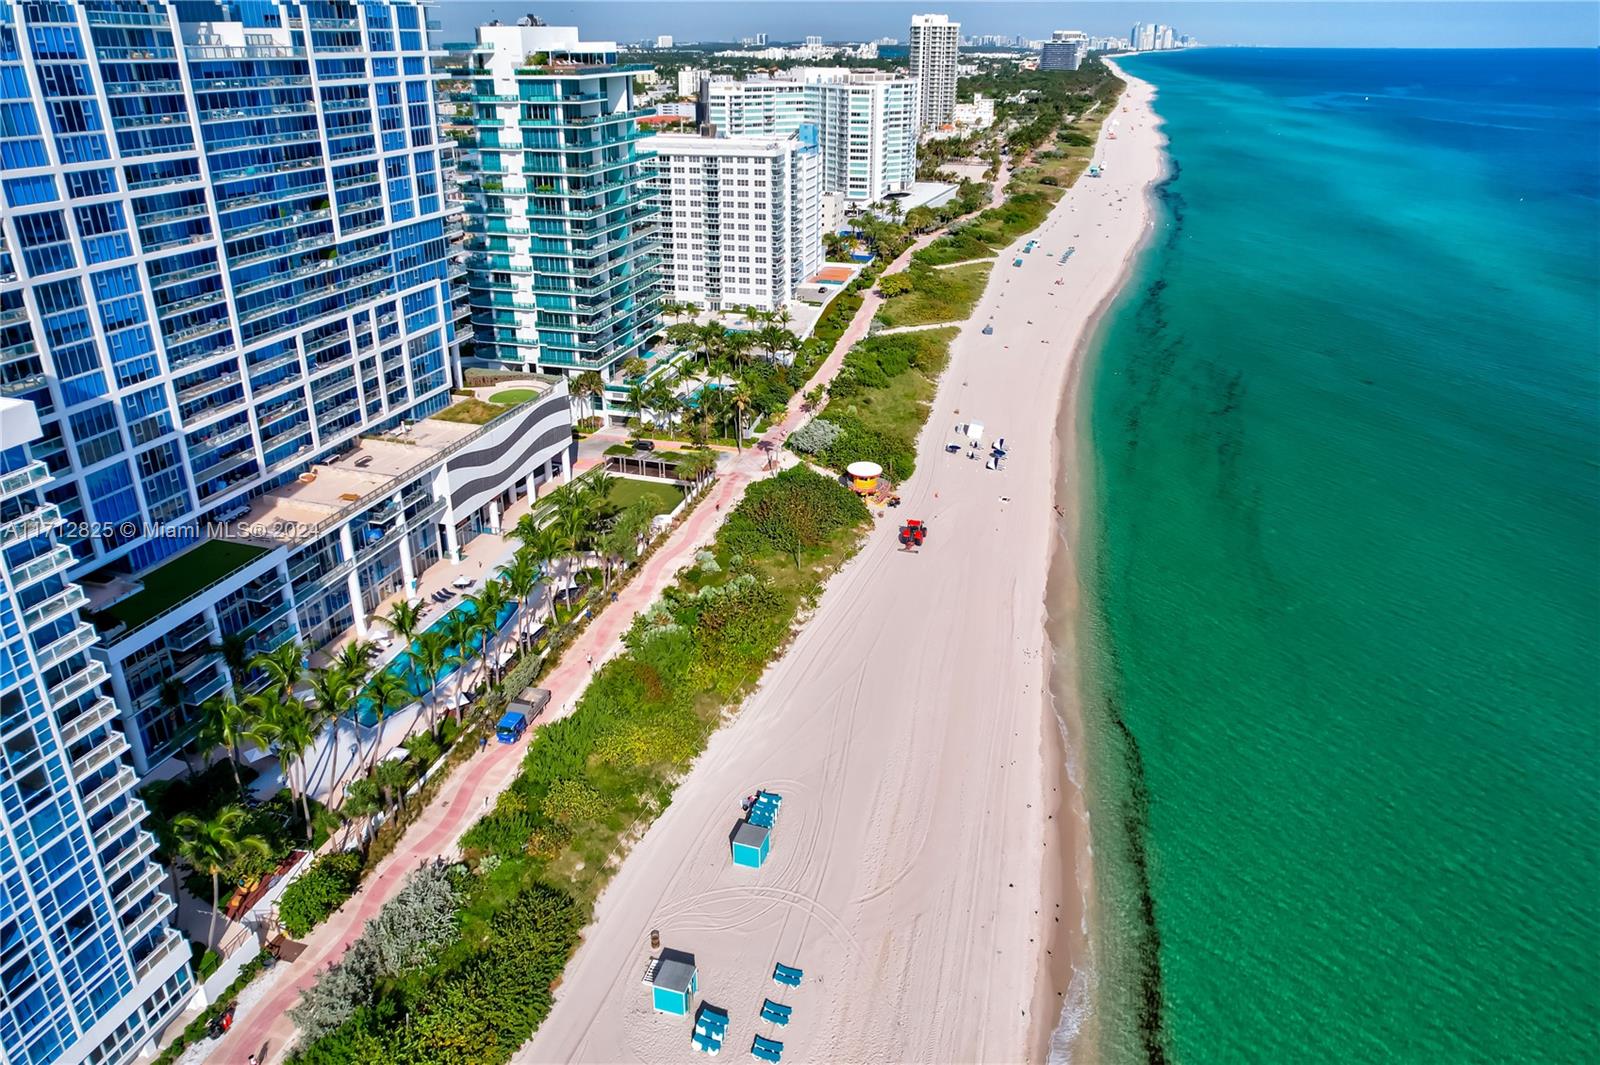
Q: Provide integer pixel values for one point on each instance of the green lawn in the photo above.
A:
(626, 491)
(177, 579)
(939, 296)
(471, 412)
(512, 396)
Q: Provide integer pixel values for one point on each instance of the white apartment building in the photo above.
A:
(664, 41)
(689, 80)
(743, 216)
(866, 123)
(935, 46)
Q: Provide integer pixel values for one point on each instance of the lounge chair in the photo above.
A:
(775, 1012)
(766, 1049)
(787, 975)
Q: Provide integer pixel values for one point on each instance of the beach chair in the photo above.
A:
(787, 975)
(705, 1044)
(775, 1012)
(767, 1049)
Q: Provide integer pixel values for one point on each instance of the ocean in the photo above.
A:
(1342, 570)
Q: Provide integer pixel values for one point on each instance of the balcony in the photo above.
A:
(85, 680)
(130, 858)
(151, 919)
(172, 943)
(207, 386)
(52, 561)
(30, 476)
(100, 711)
(69, 598)
(145, 884)
(38, 523)
(113, 829)
(79, 639)
(121, 784)
(99, 756)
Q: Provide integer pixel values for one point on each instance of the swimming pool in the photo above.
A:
(405, 665)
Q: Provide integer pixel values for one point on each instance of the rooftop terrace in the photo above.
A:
(179, 578)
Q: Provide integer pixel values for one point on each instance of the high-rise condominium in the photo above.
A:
(222, 277)
(567, 277)
(742, 216)
(92, 968)
(1064, 50)
(935, 50)
(866, 123)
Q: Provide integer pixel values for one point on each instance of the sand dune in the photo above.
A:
(914, 872)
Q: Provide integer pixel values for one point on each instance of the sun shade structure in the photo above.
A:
(787, 975)
(767, 1049)
(673, 981)
(864, 476)
(775, 1012)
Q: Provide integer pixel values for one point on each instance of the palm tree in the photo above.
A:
(283, 665)
(591, 386)
(388, 692)
(355, 660)
(693, 466)
(391, 777)
(738, 399)
(521, 578)
(405, 618)
(636, 400)
(431, 654)
(486, 607)
(333, 695)
(234, 647)
(712, 336)
(683, 335)
(600, 485)
(782, 317)
(461, 632)
(633, 366)
(223, 724)
(543, 545)
(210, 846)
(660, 398)
(286, 724)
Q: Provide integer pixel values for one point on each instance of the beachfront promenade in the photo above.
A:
(262, 1026)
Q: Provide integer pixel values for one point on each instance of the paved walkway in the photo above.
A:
(263, 1027)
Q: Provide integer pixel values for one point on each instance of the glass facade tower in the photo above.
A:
(565, 276)
(222, 259)
(90, 969)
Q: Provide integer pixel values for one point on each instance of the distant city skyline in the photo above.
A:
(1353, 24)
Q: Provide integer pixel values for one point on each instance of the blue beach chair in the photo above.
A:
(775, 1012)
(767, 1049)
(787, 975)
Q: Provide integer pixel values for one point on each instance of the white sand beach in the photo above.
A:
(928, 841)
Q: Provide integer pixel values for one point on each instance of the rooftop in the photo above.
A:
(674, 971)
(749, 835)
(175, 580)
(306, 507)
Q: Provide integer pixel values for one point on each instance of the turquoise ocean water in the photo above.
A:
(1343, 512)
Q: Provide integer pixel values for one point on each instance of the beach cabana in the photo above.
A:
(710, 1026)
(750, 844)
(673, 982)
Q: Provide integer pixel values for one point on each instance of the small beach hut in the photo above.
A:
(750, 844)
(864, 477)
(673, 981)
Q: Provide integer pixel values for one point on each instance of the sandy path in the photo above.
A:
(906, 728)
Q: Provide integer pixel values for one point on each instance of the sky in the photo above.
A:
(1380, 24)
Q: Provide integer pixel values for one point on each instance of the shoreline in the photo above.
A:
(909, 727)
(1070, 959)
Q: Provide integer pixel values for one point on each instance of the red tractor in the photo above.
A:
(912, 534)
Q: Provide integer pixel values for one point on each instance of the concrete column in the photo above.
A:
(408, 566)
(533, 486)
(451, 545)
(494, 516)
(347, 548)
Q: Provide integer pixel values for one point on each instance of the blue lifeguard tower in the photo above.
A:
(750, 844)
(673, 981)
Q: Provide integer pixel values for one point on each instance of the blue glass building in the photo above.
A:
(222, 259)
(90, 969)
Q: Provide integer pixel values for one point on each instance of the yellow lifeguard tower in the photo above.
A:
(864, 477)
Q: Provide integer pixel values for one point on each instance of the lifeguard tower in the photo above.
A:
(752, 836)
(750, 844)
(864, 477)
(673, 981)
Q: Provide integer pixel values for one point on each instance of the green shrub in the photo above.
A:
(322, 889)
